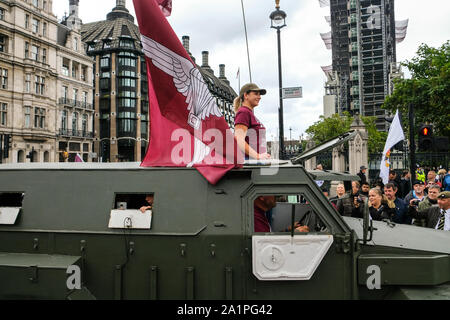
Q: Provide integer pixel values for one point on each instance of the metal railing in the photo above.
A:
(76, 103)
(76, 133)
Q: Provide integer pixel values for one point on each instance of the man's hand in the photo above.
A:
(145, 208)
(302, 229)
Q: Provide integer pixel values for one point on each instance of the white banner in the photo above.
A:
(395, 136)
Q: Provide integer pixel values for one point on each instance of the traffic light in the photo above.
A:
(426, 138)
(30, 154)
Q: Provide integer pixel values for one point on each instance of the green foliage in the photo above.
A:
(328, 128)
(428, 90)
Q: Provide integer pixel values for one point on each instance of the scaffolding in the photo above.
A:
(363, 40)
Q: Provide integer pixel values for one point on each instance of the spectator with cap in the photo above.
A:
(437, 217)
(427, 202)
(362, 174)
(418, 192)
(401, 208)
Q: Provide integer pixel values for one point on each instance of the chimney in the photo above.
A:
(222, 71)
(222, 74)
(120, 3)
(186, 42)
(205, 58)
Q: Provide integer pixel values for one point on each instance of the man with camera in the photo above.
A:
(427, 202)
(436, 217)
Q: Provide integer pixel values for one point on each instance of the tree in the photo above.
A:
(328, 128)
(428, 90)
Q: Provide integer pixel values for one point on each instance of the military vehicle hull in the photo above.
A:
(201, 243)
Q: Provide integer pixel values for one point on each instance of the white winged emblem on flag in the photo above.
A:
(189, 82)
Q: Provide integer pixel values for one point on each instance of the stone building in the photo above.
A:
(31, 67)
(28, 67)
(75, 111)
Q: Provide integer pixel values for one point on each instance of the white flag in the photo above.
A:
(395, 136)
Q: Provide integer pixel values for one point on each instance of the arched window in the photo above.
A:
(20, 156)
(46, 156)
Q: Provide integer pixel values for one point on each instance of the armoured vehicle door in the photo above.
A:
(297, 265)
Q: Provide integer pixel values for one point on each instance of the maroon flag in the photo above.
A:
(166, 6)
(187, 128)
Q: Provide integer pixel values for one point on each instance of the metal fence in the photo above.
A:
(401, 161)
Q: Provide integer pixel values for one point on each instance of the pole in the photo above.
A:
(246, 40)
(412, 144)
(280, 110)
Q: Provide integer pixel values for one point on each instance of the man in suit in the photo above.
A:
(437, 217)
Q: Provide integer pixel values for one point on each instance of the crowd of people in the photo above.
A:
(426, 203)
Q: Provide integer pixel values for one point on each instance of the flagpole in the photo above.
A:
(246, 40)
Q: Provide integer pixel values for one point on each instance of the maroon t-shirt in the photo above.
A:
(256, 133)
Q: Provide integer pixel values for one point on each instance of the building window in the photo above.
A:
(44, 29)
(84, 73)
(35, 25)
(127, 103)
(44, 5)
(127, 82)
(104, 61)
(28, 83)
(36, 3)
(65, 92)
(40, 85)
(39, 118)
(27, 21)
(27, 50)
(127, 44)
(2, 14)
(75, 44)
(75, 94)
(3, 43)
(64, 120)
(75, 122)
(34, 53)
(27, 116)
(84, 98)
(127, 62)
(84, 124)
(75, 70)
(3, 114)
(65, 67)
(4, 78)
(44, 55)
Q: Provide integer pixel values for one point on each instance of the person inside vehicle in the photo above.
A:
(148, 206)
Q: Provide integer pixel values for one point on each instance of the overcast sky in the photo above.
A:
(217, 26)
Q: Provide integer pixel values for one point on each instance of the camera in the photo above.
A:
(415, 202)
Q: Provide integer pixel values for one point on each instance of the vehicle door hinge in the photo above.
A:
(343, 243)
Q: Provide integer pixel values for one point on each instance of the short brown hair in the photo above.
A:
(391, 186)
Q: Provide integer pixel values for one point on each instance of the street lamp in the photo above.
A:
(278, 20)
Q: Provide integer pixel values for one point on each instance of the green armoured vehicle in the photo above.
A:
(75, 231)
